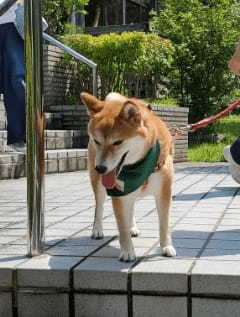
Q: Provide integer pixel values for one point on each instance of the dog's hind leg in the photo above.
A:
(163, 202)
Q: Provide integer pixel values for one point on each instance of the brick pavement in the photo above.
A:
(78, 276)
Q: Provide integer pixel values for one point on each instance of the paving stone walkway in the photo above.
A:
(78, 276)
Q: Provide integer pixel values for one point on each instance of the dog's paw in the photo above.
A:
(169, 251)
(135, 232)
(127, 255)
(97, 232)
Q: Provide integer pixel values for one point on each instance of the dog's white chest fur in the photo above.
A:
(153, 185)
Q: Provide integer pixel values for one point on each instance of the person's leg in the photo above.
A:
(232, 152)
(235, 150)
(232, 155)
(13, 82)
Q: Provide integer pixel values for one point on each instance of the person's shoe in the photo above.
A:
(234, 168)
(18, 147)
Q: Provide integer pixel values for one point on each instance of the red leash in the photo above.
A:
(205, 122)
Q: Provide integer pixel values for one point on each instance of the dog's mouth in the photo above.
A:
(109, 180)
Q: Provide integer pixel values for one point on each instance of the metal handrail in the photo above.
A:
(77, 56)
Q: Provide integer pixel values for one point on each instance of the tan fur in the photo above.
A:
(129, 120)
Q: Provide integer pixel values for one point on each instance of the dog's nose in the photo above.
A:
(101, 169)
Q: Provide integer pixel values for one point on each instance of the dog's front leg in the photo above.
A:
(163, 202)
(134, 231)
(121, 211)
(100, 194)
(165, 228)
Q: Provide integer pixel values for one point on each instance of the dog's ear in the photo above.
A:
(93, 104)
(131, 114)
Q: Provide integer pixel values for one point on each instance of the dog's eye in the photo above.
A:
(118, 142)
(98, 143)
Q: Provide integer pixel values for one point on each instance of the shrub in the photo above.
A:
(203, 34)
(124, 61)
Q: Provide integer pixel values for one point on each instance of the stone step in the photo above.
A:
(65, 139)
(66, 117)
(55, 139)
(12, 165)
(75, 117)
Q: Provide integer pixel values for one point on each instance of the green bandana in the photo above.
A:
(134, 175)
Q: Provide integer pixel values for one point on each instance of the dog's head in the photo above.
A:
(117, 130)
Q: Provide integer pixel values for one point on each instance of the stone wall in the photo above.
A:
(176, 116)
(139, 27)
(55, 76)
(75, 117)
(60, 78)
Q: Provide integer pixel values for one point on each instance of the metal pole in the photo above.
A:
(124, 11)
(95, 84)
(35, 126)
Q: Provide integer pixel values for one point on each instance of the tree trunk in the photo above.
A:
(97, 16)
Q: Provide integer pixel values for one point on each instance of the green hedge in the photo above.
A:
(130, 57)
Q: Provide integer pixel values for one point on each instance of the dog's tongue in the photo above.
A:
(109, 180)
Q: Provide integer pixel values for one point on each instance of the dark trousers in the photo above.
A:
(12, 77)
(235, 150)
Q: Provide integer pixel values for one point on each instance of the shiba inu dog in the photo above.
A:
(130, 155)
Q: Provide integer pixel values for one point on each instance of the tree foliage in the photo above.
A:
(203, 33)
(57, 13)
